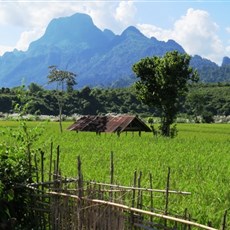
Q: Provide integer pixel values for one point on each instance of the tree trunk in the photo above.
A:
(60, 118)
(166, 121)
(165, 129)
(167, 118)
(60, 113)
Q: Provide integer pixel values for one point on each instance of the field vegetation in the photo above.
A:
(198, 158)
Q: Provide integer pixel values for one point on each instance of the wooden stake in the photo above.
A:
(139, 196)
(167, 196)
(111, 174)
(133, 199)
(51, 160)
(36, 168)
(58, 158)
(224, 226)
(42, 167)
(151, 195)
(80, 193)
(111, 168)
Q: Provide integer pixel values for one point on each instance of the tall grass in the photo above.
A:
(199, 158)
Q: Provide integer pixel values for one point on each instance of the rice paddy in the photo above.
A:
(199, 159)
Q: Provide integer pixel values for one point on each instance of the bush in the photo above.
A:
(16, 171)
(14, 202)
(207, 117)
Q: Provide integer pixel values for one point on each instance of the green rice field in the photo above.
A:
(199, 159)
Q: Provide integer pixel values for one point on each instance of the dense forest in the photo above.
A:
(202, 100)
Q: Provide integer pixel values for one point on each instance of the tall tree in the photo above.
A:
(63, 79)
(163, 80)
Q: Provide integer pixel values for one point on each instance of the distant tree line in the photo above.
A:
(207, 100)
(212, 99)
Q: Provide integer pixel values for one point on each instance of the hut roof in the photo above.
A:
(109, 123)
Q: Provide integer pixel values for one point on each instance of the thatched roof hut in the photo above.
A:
(109, 123)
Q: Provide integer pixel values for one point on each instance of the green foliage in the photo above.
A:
(6, 102)
(34, 88)
(208, 98)
(21, 105)
(214, 98)
(16, 169)
(61, 78)
(162, 82)
(150, 120)
(194, 157)
(207, 117)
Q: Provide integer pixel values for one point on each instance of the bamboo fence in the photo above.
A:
(74, 204)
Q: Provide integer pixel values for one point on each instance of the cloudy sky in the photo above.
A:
(201, 27)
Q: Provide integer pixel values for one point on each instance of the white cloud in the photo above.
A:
(10, 13)
(126, 13)
(228, 49)
(195, 31)
(154, 31)
(33, 17)
(102, 14)
(4, 49)
(28, 36)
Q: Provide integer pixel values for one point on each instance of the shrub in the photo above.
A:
(207, 117)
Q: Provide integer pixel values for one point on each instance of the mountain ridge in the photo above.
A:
(99, 58)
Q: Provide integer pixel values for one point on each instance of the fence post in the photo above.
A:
(80, 194)
(111, 168)
(167, 195)
(50, 177)
(224, 226)
(139, 197)
(35, 214)
(133, 200)
(42, 168)
(36, 167)
(151, 195)
(58, 158)
(111, 174)
(43, 219)
(55, 199)
(51, 160)
(56, 186)
(185, 217)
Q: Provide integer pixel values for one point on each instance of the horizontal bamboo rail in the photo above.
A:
(55, 181)
(32, 185)
(141, 189)
(131, 209)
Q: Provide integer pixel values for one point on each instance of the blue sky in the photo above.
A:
(201, 27)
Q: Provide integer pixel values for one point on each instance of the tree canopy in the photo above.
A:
(213, 98)
(62, 78)
(162, 82)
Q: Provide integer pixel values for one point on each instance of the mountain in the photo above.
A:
(226, 61)
(99, 58)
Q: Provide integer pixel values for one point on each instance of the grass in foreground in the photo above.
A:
(198, 157)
